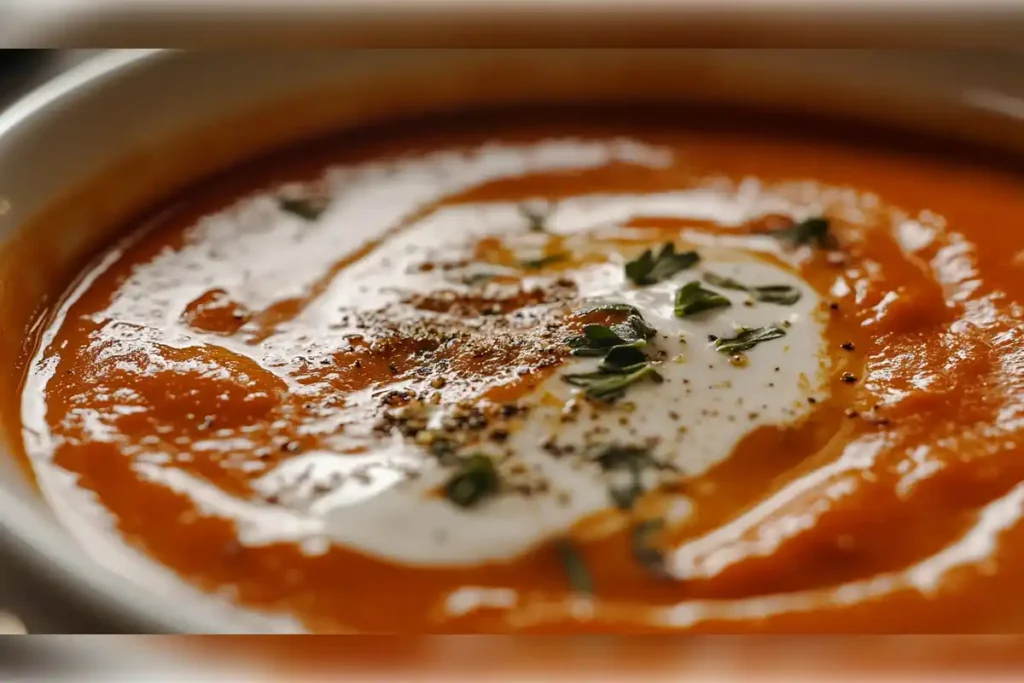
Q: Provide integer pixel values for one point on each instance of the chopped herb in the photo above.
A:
(811, 231)
(692, 298)
(629, 458)
(625, 496)
(538, 263)
(536, 220)
(598, 339)
(644, 551)
(784, 295)
(611, 308)
(608, 383)
(640, 326)
(624, 355)
(748, 339)
(477, 480)
(306, 209)
(649, 269)
(575, 568)
(623, 457)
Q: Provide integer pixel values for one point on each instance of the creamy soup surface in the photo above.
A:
(553, 372)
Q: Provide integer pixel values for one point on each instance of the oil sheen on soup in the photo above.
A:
(556, 372)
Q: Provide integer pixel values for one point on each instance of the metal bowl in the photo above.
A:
(90, 149)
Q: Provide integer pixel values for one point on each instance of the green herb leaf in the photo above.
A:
(600, 335)
(811, 231)
(611, 308)
(625, 355)
(629, 458)
(476, 480)
(306, 209)
(623, 457)
(649, 269)
(625, 496)
(640, 328)
(644, 550)
(597, 339)
(609, 384)
(692, 298)
(633, 459)
(784, 295)
(444, 451)
(725, 282)
(575, 568)
(748, 339)
(536, 219)
(538, 263)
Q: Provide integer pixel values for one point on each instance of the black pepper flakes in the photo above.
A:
(848, 346)
(848, 377)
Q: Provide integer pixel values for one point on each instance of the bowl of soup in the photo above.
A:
(569, 341)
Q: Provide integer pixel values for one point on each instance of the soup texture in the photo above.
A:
(557, 372)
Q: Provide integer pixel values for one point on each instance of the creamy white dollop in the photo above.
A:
(692, 421)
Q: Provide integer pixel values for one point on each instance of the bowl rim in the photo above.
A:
(43, 546)
(39, 542)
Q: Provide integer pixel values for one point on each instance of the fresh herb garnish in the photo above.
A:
(748, 339)
(306, 209)
(476, 480)
(596, 340)
(575, 568)
(645, 552)
(649, 269)
(609, 383)
(624, 363)
(692, 298)
(536, 219)
(538, 263)
(623, 457)
(625, 496)
(810, 231)
(784, 295)
(632, 459)
(611, 308)
(624, 356)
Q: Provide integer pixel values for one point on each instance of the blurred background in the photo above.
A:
(513, 23)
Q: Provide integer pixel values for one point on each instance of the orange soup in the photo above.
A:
(566, 371)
